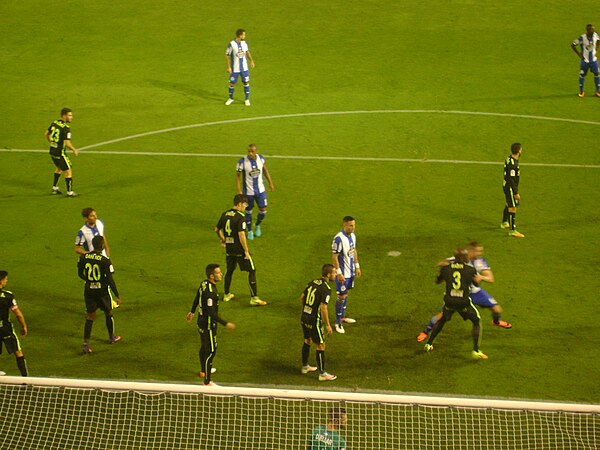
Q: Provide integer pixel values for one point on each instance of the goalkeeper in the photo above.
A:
(328, 437)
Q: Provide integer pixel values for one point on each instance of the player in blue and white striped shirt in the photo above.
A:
(237, 57)
(345, 261)
(587, 46)
(249, 181)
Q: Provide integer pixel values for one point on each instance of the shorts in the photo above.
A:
(61, 162)
(313, 332)
(483, 299)
(261, 201)
(246, 265)
(510, 197)
(233, 77)
(343, 288)
(9, 338)
(466, 312)
(95, 302)
(585, 66)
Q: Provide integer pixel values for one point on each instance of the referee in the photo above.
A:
(207, 298)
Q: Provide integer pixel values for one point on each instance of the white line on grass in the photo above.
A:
(337, 158)
(327, 158)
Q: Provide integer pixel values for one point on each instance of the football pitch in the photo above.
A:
(397, 114)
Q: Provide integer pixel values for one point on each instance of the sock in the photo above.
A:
(247, 90)
(430, 325)
(344, 303)
(22, 365)
(512, 220)
(505, 215)
(252, 283)
(321, 360)
(261, 217)
(110, 325)
(476, 332)
(436, 330)
(496, 318)
(227, 282)
(231, 89)
(248, 217)
(207, 367)
(87, 330)
(581, 82)
(56, 178)
(597, 82)
(69, 184)
(338, 311)
(305, 354)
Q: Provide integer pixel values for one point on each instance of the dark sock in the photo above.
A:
(476, 330)
(496, 318)
(22, 365)
(305, 354)
(110, 326)
(56, 178)
(505, 215)
(321, 360)
(87, 330)
(252, 283)
(512, 220)
(69, 184)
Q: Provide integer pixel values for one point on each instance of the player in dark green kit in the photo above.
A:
(315, 299)
(96, 270)
(328, 437)
(7, 335)
(512, 174)
(231, 230)
(207, 298)
(459, 275)
(59, 136)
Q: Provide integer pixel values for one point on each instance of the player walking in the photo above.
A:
(237, 57)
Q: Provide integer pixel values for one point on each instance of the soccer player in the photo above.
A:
(237, 57)
(328, 437)
(249, 181)
(231, 230)
(92, 227)
(479, 296)
(207, 297)
(315, 299)
(59, 136)
(512, 174)
(345, 261)
(586, 47)
(458, 276)
(7, 334)
(96, 270)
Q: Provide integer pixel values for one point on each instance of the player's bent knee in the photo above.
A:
(321, 347)
(91, 316)
(308, 341)
(19, 353)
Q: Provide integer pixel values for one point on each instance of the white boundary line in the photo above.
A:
(341, 158)
(326, 158)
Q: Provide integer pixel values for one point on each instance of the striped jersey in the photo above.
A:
(87, 233)
(588, 46)
(343, 246)
(480, 265)
(237, 56)
(252, 178)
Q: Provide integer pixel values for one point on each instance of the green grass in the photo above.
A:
(129, 68)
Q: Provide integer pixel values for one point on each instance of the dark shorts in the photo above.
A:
(61, 162)
(343, 288)
(9, 339)
(468, 312)
(260, 199)
(246, 265)
(233, 77)
(510, 197)
(585, 66)
(314, 332)
(98, 301)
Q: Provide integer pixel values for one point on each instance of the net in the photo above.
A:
(85, 414)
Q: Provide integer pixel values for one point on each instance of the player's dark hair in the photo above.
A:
(98, 243)
(461, 255)
(589, 25)
(3, 274)
(65, 111)
(514, 149)
(348, 219)
(336, 413)
(251, 145)
(85, 212)
(240, 198)
(473, 244)
(327, 269)
(210, 269)
(239, 32)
